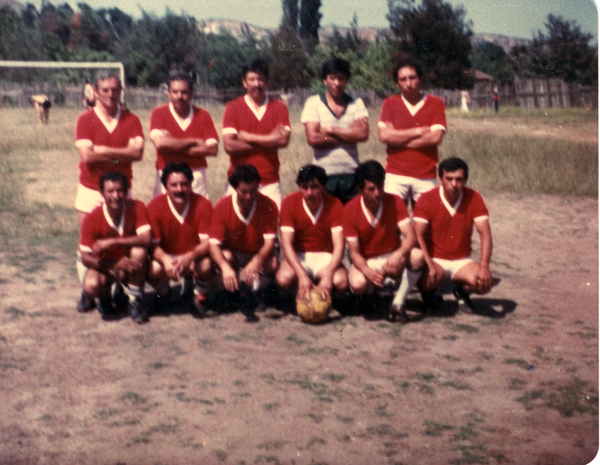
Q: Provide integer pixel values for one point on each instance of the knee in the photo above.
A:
(285, 278)
(204, 269)
(340, 280)
(139, 254)
(417, 259)
(357, 281)
(94, 283)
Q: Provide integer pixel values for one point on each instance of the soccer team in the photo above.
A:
(234, 247)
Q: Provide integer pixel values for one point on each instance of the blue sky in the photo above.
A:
(519, 18)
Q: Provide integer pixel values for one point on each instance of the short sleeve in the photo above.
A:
(401, 210)
(480, 211)
(360, 111)
(217, 222)
(204, 213)
(230, 123)
(142, 222)
(422, 211)
(386, 116)
(310, 113)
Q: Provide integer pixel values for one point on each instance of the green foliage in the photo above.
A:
(492, 59)
(310, 21)
(289, 65)
(564, 52)
(17, 42)
(370, 69)
(157, 45)
(436, 35)
(291, 13)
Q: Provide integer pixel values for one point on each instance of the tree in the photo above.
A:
(492, 59)
(351, 41)
(310, 21)
(289, 66)
(291, 13)
(563, 52)
(436, 35)
(155, 46)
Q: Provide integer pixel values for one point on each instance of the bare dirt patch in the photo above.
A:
(517, 385)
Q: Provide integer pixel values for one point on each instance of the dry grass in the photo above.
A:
(514, 151)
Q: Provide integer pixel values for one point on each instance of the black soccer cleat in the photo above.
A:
(85, 303)
(104, 304)
(462, 297)
(137, 311)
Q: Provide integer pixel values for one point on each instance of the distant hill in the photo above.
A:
(239, 28)
(236, 28)
(17, 6)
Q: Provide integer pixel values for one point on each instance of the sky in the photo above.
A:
(517, 18)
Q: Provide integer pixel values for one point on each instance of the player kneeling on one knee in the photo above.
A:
(444, 220)
(114, 238)
(243, 231)
(311, 237)
(373, 222)
(180, 222)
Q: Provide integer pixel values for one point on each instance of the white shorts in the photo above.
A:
(273, 191)
(88, 199)
(407, 187)
(314, 261)
(199, 184)
(452, 266)
(377, 264)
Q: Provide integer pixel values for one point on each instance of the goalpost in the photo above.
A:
(69, 64)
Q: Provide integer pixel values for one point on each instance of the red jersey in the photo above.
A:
(231, 230)
(177, 234)
(91, 130)
(311, 233)
(238, 117)
(199, 126)
(380, 236)
(450, 227)
(416, 163)
(99, 225)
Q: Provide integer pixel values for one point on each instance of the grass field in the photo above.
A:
(516, 384)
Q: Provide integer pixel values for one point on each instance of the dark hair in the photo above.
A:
(176, 167)
(178, 75)
(243, 173)
(309, 172)
(452, 164)
(370, 170)
(114, 176)
(105, 74)
(336, 65)
(257, 65)
(407, 62)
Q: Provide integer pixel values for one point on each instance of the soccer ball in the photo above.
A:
(315, 309)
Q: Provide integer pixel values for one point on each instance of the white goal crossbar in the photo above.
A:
(68, 64)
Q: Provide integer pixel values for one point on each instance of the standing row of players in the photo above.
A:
(109, 138)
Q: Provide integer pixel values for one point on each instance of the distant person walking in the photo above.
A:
(465, 101)
(42, 104)
(496, 102)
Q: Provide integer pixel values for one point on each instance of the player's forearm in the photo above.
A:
(171, 145)
(201, 250)
(234, 146)
(93, 262)
(429, 139)
(204, 150)
(132, 152)
(265, 251)
(486, 246)
(217, 255)
(399, 137)
(290, 255)
(421, 230)
(352, 134)
(273, 140)
(140, 240)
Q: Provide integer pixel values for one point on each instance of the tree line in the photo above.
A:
(435, 33)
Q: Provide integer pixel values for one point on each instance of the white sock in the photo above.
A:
(134, 292)
(409, 279)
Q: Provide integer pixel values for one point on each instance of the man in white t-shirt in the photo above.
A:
(334, 123)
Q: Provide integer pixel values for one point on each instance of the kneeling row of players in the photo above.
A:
(232, 247)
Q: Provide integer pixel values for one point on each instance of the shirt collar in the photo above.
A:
(110, 127)
(180, 218)
(238, 212)
(451, 208)
(413, 109)
(120, 227)
(314, 218)
(182, 122)
(260, 111)
(373, 222)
